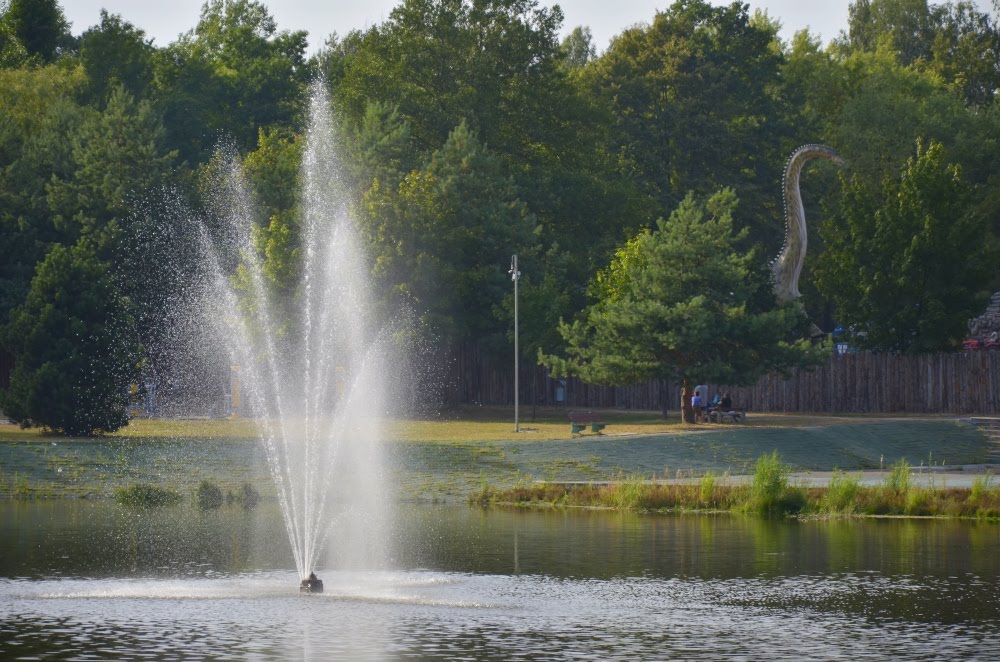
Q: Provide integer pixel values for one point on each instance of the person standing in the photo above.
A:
(698, 404)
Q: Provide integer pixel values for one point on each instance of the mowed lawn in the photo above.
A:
(450, 456)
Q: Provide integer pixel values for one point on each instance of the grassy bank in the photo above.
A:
(769, 493)
(473, 424)
(448, 458)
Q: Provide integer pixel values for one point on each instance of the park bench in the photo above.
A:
(731, 415)
(578, 420)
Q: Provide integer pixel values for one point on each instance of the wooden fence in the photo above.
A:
(947, 383)
(944, 383)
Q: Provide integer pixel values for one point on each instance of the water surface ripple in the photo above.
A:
(501, 586)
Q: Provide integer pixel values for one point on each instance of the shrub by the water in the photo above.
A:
(984, 497)
(981, 487)
(208, 495)
(629, 494)
(898, 479)
(919, 501)
(143, 495)
(706, 489)
(248, 496)
(892, 496)
(769, 492)
(842, 493)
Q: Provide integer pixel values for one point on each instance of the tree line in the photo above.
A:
(640, 185)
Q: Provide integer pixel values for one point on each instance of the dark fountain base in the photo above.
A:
(311, 584)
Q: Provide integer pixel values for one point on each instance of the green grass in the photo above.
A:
(770, 493)
(842, 493)
(446, 459)
(706, 490)
(479, 424)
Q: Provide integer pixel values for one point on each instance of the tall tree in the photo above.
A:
(908, 260)
(115, 52)
(12, 51)
(75, 348)
(887, 107)
(496, 65)
(117, 157)
(683, 302)
(234, 74)
(273, 169)
(966, 51)
(38, 112)
(954, 39)
(444, 236)
(693, 97)
(578, 47)
(906, 25)
(39, 26)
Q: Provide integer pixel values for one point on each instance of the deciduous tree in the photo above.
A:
(908, 260)
(694, 104)
(445, 235)
(115, 52)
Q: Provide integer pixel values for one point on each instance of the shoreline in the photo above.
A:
(447, 460)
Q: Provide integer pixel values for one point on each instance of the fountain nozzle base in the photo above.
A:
(311, 584)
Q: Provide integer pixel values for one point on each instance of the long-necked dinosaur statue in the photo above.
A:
(788, 265)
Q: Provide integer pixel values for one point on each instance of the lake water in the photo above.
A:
(93, 581)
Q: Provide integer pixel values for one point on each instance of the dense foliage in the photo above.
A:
(76, 348)
(682, 302)
(891, 254)
(472, 130)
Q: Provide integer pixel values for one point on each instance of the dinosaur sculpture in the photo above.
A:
(788, 265)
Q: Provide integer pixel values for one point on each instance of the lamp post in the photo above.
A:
(515, 276)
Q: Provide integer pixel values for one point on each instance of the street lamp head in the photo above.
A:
(514, 273)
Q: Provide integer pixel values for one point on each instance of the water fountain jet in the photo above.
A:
(313, 378)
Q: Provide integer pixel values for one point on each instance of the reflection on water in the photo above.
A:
(94, 581)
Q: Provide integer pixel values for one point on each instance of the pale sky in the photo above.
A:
(164, 21)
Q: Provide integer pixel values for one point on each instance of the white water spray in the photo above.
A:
(313, 378)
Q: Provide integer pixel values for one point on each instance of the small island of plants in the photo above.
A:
(768, 493)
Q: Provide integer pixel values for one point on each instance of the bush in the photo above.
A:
(769, 493)
(898, 480)
(919, 501)
(707, 489)
(841, 494)
(982, 486)
(248, 496)
(208, 496)
(629, 493)
(143, 495)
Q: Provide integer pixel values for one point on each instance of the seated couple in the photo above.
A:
(719, 405)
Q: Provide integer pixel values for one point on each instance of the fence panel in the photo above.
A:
(863, 382)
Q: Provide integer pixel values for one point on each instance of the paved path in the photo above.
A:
(939, 477)
(948, 477)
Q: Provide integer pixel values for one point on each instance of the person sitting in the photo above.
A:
(725, 410)
(713, 406)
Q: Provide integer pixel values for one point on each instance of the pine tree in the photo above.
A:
(681, 302)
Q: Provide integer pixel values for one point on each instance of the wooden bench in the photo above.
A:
(578, 420)
(731, 415)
